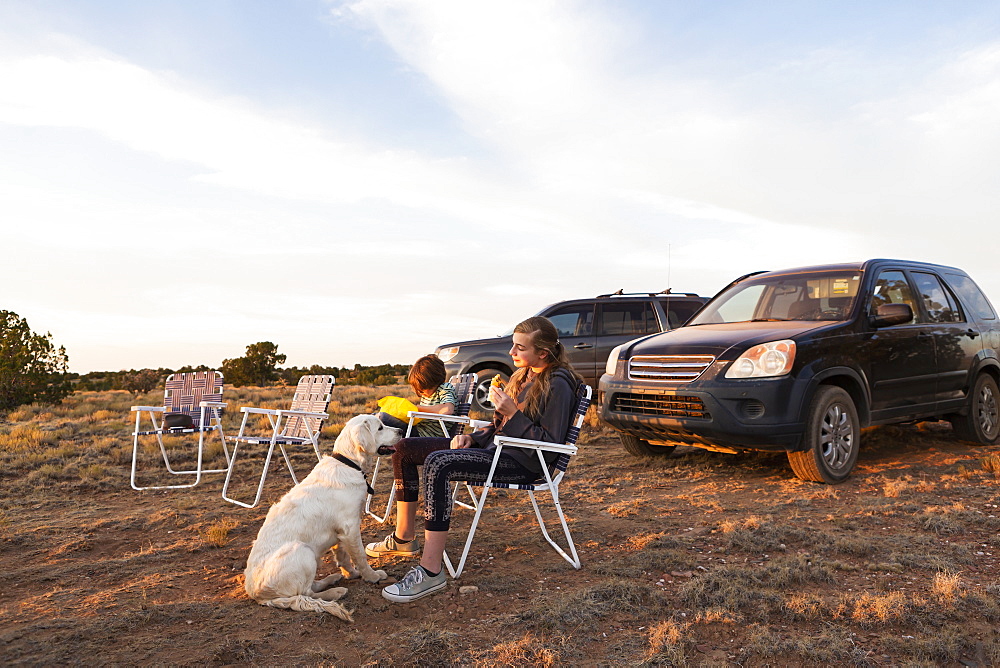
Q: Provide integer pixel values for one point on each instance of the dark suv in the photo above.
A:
(800, 360)
(588, 328)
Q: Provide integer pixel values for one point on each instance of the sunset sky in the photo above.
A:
(360, 182)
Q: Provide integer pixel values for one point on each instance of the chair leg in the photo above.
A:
(260, 484)
(574, 560)
(472, 496)
(480, 503)
(196, 472)
(381, 519)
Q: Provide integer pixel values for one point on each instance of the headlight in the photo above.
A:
(447, 354)
(612, 363)
(764, 361)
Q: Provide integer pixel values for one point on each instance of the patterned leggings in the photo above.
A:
(443, 466)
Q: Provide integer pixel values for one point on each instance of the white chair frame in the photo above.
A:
(275, 417)
(207, 409)
(550, 485)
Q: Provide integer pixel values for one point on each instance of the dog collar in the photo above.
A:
(354, 465)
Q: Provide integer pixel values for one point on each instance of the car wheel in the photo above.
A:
(640, 448)
(982, 422)
(832, 437)
(481, 399)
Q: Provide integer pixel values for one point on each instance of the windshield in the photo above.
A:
(809, 296)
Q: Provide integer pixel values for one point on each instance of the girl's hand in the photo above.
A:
(502, 403)
(462, 441)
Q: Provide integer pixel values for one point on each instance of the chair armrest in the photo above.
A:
(438, 416)
(260, 411)
(213, 404)
(304, 414)
(152, 409)
(501, 441)
(479, 424)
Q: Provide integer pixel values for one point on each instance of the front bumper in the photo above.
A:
(761, 414)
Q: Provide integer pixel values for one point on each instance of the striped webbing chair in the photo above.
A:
(299, 425)
(548, 482)
(451, 425)
(197, 395)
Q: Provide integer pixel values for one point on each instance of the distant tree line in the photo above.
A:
(33, 369)
(258, 367)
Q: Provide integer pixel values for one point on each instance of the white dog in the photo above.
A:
(322, 511)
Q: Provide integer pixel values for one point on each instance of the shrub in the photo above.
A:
(140, 382)
(31, 368)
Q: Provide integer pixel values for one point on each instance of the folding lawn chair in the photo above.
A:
(451, 425)
(546, 483)
(194, 402)
(299, 425)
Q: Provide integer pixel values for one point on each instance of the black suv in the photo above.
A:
(588, 328)
(800, 360)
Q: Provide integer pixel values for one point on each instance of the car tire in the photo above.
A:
(640, 448)
(981, 424)
(481, 398)
(832, 438)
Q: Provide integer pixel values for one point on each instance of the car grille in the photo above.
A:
(659, 405)
(668, 368)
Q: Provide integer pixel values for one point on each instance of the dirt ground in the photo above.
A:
(695, 559)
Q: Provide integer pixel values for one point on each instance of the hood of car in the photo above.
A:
(716, 339)
(476, 342)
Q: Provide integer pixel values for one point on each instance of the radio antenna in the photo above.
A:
(669, 284)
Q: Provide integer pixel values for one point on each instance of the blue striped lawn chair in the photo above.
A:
(547, 483)
(302, 425)
(451, 425)
(197, 395)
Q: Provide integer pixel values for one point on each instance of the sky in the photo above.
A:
(362, 181)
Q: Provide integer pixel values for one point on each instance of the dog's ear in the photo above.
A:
(364, 436)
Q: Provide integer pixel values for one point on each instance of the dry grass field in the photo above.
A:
(698, 559)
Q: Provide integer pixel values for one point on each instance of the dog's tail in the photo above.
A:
(309, 604)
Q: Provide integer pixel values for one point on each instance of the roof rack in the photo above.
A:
(667, 292)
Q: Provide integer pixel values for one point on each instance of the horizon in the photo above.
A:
(365, 180)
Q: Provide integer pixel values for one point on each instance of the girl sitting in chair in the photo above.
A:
(537, 404)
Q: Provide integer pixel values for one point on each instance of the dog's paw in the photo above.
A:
(376, 576)
(327, 582)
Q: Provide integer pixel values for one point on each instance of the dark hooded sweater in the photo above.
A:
(550, 426)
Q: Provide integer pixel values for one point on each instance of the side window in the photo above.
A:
(938, 302)
(574, 320)
(972, 296)
(627, 318)
(678, 312)
(891, 288)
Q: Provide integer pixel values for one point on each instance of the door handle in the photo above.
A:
(581, 346)
(971, 333)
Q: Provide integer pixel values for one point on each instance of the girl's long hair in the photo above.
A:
(544, 337)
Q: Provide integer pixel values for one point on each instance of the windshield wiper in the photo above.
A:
(769, 320)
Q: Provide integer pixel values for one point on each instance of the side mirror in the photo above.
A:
(892, 314)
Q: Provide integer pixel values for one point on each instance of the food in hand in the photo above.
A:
(497, 382)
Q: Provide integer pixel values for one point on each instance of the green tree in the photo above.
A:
(257, 367)
(31, 368)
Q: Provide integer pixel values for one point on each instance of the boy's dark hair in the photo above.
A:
(426, 374)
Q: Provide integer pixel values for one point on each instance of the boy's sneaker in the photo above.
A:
(389, 546)
(415, 584)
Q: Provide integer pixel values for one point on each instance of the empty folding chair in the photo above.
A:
(548, 482)
(192, 404)
(299, 425)
(451, 425)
